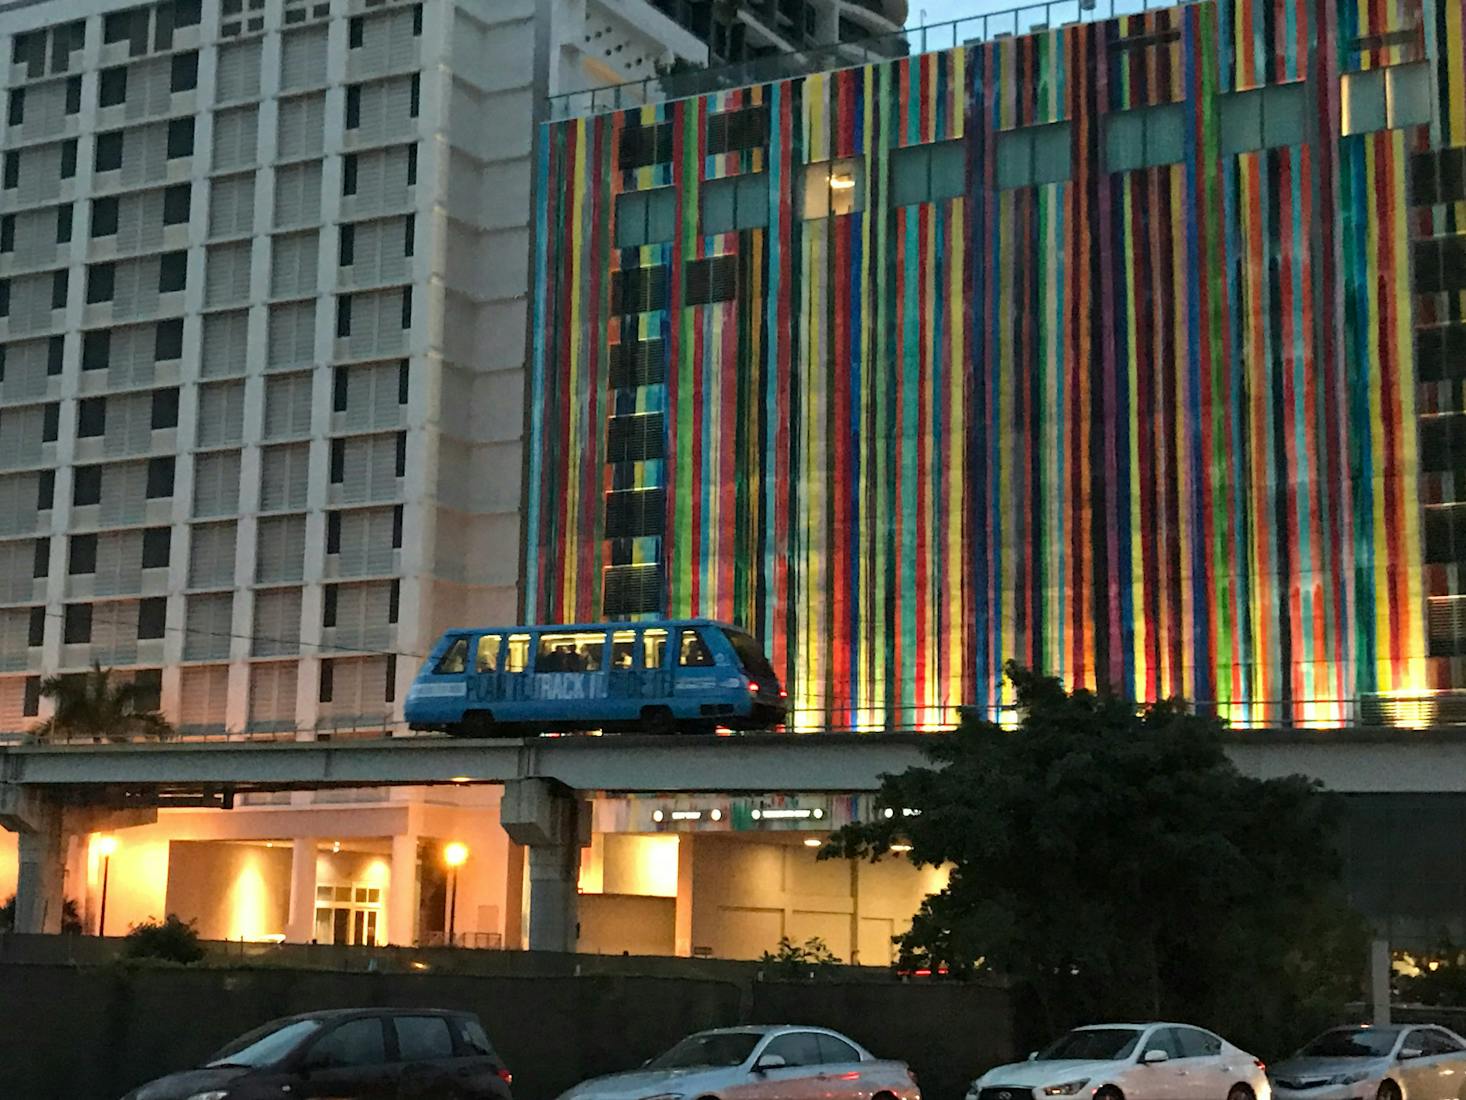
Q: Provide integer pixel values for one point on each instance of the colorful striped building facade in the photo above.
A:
(1195, 429)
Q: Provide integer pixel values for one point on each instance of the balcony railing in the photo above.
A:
(930, 38)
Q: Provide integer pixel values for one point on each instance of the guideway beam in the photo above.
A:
(548, 819)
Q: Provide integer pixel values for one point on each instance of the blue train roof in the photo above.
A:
(609, 624)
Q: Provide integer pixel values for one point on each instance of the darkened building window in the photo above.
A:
(86, 485)
(185, 75)
(31, 704)
(82, 556)
(329, 599)
(338, 460)
(343, 315)
(328, 680)
(1440, 264)
(340, 389)
(1440, 351)
(157, 541)
(1263, 118)
(645, 145)
(77, 624)
(635, 438)
(734, 203)
(346, 246)
(1445, 533)
(96, 349)
(50, 422)
(55, 355)
(353, 106)
(41, 562)
(631, 589)
(63, 224)
(104, 216)
(1388, 98)
(631, 513)
(176, 203)
(168, 339)
(712, 279)
(160, 477)
(397, 520)
(639, 289)
(45, 490)
(36, 634)
(1145, 137)
(16, 113)
(180, 138)
(638, 363)
(100, 281)
(153, 615)
(165, 408)
(1447, 625)
(1443, 443)
(1438, 176)
(348, 174)
(1032, 156)
(646, 217)
(148, 684)
(172, 271)
(12, 170)
(938, 170)
(73, 95)
(91, 417)
(112, 86)
(60, 287)
(730, 131)
(108, 156)
(68, 158)
(333, 532)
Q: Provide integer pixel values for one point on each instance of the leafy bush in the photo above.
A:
(1436, 978)
(793, 960)
(70, 917)
(171, 940)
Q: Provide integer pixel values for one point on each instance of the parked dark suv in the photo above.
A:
(363, 1054)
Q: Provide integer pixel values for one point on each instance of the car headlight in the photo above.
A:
(1068, 1088)
(1353, 1077)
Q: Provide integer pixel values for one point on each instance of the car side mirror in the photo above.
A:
(768, 1062)
(1410, 1052)
(1155, 1057)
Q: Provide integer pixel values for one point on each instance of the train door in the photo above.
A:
(623, 678)
(570, 673)
(484, 688)
(656, 666)
(515, 679)
(696, 673)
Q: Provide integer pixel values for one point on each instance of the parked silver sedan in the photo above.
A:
(1406, 1062)
(759, 1063)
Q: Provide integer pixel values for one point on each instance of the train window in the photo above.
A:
(488, 654)
(455, 660)
(654, 648)
(623, 649)
(570, 652)
(517, 659)
(694, 652)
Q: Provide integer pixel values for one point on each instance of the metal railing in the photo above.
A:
(930, 38)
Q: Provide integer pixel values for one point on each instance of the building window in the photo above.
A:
(833, 188)
(394, 600)
(1033, 156)
(7, 233)
(96, 349)
(348, 174)
(730, 131)
(328, 680)
(73, 96)
(397, 520)
(929, 173)
(712, 279)
(100, 280)
(160, 477)
(108, 156)
(82, 555)
(343, 315)
(68, 158)
(152, 617)
(30, 705)
(77, 624)
(1388, 98)
(45, 490)
(55, 355)
(1145, 137)
(86, 486)
(91, 417)
(172, 271)
(389, 690)
(641, 146)
(1440, 351)
(1438, 175)
(638, 363)
(157, 541)
(12, 170)
(176, 202)
(1440, 264)
(1263, 118)
(734, 203)
(180, 138)
(355, 32)
(328, 606)
(41, 561)
(112, 87)
(4, 297)
(338, 460)
(409, 235)
(635, 437)
(36, 634)
(406, 308)
(16, 113)
(401, 465)
(633, 513)
(353, 106)
(1442, 442)
(50, 422)
(404, 379)
(60, 287)
(340, 390)
(346, 246)
(333, 532)
(185, 75)
(417, 20)
(639, 289)
(414, 99)
(646, 217)
(631, 590)
(168, 340)
(412, 164)
(165, 408)
(63, 224)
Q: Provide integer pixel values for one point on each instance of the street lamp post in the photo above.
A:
(455, 855)
(106, 846)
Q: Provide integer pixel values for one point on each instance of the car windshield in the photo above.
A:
(1100, 1044)
(265, 1046)
(1355, 1042)
(713, 1048)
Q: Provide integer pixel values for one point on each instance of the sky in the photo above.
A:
(939, 11)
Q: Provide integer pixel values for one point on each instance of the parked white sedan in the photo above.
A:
(759, 1063)
(1375, 1063)
(1130, 1062)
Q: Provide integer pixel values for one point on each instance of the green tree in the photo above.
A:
(91, 706)
(1113, 863)
(170, 940)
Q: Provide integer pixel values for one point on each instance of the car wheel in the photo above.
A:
(1387, 1090)
(1239, 1092)
(1109, 1092)
(658, 720)
(478, 723)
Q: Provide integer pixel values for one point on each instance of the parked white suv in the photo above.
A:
(759, 1063)
(1157, 1061)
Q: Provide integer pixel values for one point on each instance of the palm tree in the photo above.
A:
(91, 707)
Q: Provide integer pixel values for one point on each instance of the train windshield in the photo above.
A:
(751, 656)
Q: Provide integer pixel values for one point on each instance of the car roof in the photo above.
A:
(327, 1015)
(1139, 1026)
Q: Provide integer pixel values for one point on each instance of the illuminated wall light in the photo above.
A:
(812, 842)
(336, 847)
(900, 847)
(658, 816)
(716, 814)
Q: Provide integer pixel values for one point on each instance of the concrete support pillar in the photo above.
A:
(682, 931)
(1379, 981)
(301, 923)
(546, 818)
(402, 893)
(40, 885)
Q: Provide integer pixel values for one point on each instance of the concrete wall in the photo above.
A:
(92, 1033)
(232, 891)
(746, 894)
(611, 924)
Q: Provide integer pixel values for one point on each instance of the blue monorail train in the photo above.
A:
(662, 676)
